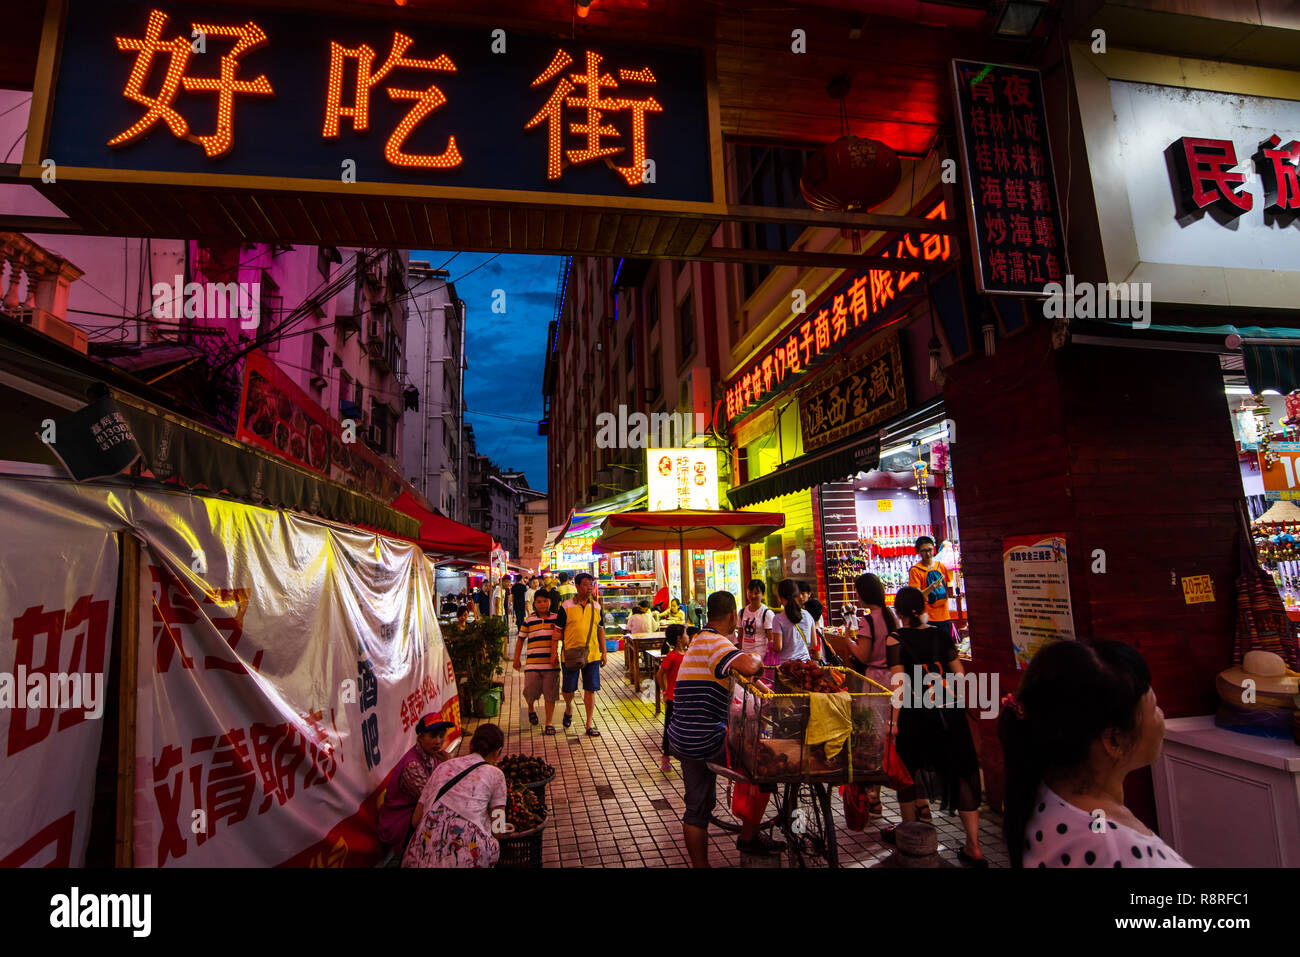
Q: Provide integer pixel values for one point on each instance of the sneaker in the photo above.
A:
(666, 764)
(762, 845)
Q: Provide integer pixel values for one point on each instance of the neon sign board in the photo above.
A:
(148, 88)
(863, 305)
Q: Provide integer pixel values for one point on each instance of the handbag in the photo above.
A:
(448, 839)
(575, 659)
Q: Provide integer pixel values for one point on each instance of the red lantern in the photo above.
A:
(850, 174)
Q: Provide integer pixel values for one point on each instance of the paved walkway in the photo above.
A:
(611, 806)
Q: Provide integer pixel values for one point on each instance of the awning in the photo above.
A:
(179, 450)
(442, 535)
(697, 529)
(815, 468)
(591, 518)
(1271, 367)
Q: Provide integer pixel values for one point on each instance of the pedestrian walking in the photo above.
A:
(538, 645)
(934, 742)
(519, 597)
(581, 622)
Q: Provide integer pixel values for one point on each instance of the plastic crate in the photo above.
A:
(766, 730)
(522, 850)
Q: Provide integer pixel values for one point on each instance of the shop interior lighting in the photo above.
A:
(1019, 19)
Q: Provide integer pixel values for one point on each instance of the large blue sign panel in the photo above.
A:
(181, 89)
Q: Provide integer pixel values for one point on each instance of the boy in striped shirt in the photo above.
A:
(539, 637)
(697, 732)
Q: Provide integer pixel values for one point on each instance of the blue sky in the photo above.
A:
(506, 352)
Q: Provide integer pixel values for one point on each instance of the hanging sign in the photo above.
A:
(1015, 215)
(682, 478)
(1037, 576)
(155, 91)
(847, 316)
(1281, 476)
(869, 390)
(1198, 589)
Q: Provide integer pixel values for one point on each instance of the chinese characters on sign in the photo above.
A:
(1037, 575)
(682, 478)
(1204, 171)
(201, 89)
(848, 315)
(1015, 214)
(869, 390)
(1282, 476)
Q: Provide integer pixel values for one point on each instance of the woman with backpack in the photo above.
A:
(454, 818)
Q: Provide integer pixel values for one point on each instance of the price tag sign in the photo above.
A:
(884, 504)
(1198, 589)
(1282, 477)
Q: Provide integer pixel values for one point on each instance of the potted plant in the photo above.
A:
(477, 654)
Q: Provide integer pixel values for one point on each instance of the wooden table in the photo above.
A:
(633, 645)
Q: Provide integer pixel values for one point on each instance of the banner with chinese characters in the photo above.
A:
(869, 390)
(58, 585)
(277, 416)
(845, 317)
(284, 664)
(353, 103)
(1015, 216)
(1036, 570)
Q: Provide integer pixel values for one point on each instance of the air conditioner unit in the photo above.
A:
(48, 324)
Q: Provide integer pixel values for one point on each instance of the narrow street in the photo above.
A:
(610, 805)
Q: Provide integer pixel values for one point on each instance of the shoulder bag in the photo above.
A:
(575, 659)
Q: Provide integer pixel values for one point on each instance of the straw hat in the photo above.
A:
(1274, 685)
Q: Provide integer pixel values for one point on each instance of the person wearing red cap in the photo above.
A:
(408, 779)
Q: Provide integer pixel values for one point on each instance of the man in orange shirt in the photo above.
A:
(933, 580)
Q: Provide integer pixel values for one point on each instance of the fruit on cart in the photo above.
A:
(524, 809)
(524, 769)
(808, 677)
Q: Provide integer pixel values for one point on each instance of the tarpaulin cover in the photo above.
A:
(283, 665)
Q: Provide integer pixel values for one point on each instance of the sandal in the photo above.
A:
(568, 718)
(923, 814)
(532, 717)
(977, 862)
(550, 729)
(593, 733)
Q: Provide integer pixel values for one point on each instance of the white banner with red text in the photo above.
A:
(58, 585)
(290, 661)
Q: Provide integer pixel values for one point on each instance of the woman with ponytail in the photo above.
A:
(792, 624)
(934, 739)
(1083, 718)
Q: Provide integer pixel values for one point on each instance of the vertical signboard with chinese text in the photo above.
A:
(1015, 215)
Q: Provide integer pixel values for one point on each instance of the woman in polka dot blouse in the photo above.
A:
(1084, 717)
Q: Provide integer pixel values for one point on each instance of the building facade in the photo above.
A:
(433, 433)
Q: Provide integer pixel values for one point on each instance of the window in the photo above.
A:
(652, 308)
(656, 374)
(317, 354)
(686, 329)
(270, 309)
(325, 255)
(767, 176)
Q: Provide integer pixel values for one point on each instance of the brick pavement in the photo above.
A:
(610, 805)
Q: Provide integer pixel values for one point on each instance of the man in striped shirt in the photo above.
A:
(697, 732)
(538, 640)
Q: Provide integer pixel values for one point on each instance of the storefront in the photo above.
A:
(837, 423)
